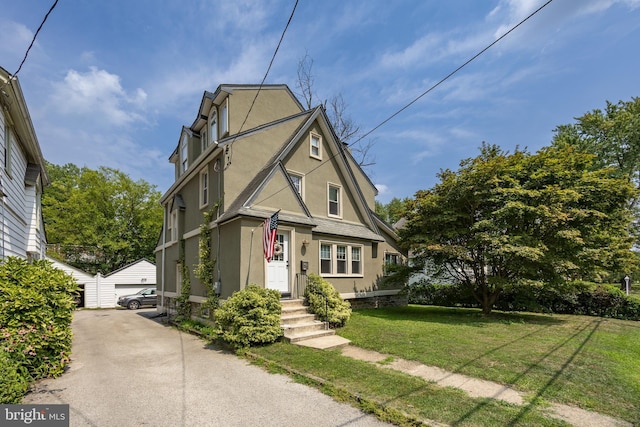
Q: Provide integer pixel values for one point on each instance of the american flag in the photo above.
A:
(270, 230)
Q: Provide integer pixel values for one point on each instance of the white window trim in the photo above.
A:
(398, 257)
(213, 114)
(311, 154)
(339, 187)
(204, 141)
(334, 259)
(301, 176)
(173, 224)
(204, 187)
(184, 154)
(224, 119)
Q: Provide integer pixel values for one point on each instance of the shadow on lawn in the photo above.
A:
(455, 315)
(593, 325)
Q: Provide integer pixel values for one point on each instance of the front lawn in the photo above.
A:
(590, 362)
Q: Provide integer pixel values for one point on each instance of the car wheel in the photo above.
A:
(133, 305)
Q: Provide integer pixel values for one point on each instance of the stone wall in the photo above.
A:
(398, 300)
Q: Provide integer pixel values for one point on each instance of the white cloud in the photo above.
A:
(382, 189)
(99, 94)
(15, 40)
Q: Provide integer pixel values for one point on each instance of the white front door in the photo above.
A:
(278, 268)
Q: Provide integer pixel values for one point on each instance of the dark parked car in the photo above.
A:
(144, 297)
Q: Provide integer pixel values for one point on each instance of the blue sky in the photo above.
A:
(110, 83)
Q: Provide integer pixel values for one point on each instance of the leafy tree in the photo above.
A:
(392, 211)
(100, 220)
(613, 135)
(507, 218)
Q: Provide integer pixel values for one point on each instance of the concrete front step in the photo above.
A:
(301, 328)
(295, 338)
(297, 319)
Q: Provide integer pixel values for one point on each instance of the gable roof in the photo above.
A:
(12, 98)
(244, 203)
(143, 261)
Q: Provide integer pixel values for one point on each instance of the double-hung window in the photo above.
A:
(184, 154)
(213, 125)
(173, 226)
(296, 179)
(224, 119)
(315, 146)
(338, 259)
(204, 188)
(334, 201)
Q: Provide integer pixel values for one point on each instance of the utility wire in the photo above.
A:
(267, 73)
(422, 94)
(33, 40)
(451, 73)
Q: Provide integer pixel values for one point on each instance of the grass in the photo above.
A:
(391, 395)
(589, 362)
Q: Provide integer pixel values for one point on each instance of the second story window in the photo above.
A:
(173, 226)
(296, 179)
(184, 154)
(334, 197)
(204, 188)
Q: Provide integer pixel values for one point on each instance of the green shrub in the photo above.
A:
(36, 309)
(250, 317)
(14, 381)
(334, 309)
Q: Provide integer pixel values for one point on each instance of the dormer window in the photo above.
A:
(204, 142)
(184, 154)
(213, 125)
(224, 118)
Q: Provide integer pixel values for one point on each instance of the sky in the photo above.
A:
(111, 83)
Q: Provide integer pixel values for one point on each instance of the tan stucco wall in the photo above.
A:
(271, 104)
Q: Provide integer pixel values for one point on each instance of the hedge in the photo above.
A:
(325, 301)
(567, 298)
(36, 309)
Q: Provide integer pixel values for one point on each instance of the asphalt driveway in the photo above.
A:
(131, 370)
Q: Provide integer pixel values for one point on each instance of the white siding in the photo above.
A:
(141, 273)
(122, 290)
(99, 293)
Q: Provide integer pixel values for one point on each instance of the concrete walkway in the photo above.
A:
(481, 388)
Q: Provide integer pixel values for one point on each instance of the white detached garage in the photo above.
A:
(132, 278)
(103, 291)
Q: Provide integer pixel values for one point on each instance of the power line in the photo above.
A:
(33, 40)
(267, 73)
(423, 93)
(452, 73)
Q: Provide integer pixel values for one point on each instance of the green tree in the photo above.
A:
(503, 219)
(613, 135)
(392, 211)
(100, 220)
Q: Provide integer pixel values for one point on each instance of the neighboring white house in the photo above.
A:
(22, 176)
(103, 291)
(133, 277)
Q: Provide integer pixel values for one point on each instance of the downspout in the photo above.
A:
(219, 284)
(162, 262)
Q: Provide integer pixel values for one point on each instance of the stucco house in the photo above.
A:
(22, 176)
(253, 151)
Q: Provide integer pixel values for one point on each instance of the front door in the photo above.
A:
(278, 268)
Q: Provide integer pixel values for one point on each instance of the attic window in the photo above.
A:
(297, 181)
(315, 146)
(213, 124)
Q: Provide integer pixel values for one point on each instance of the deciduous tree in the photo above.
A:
(100, 220)
(502, 219)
